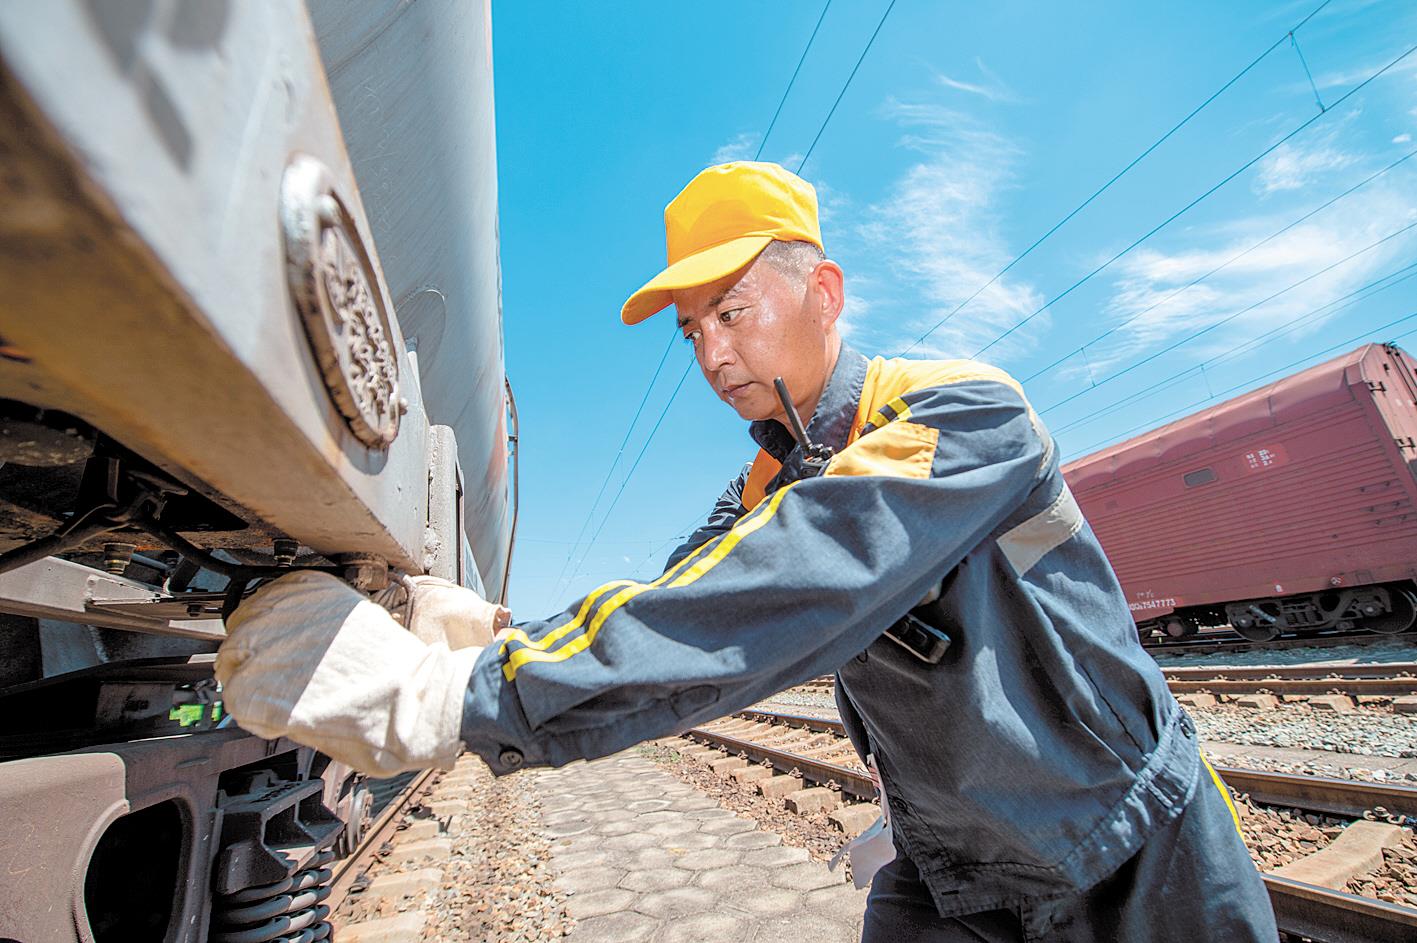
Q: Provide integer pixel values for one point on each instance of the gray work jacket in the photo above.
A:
(1032, 761)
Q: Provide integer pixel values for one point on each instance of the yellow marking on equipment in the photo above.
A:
(724, 545)
(1224, 792)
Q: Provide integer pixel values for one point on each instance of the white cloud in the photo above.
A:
(992, 88)
(1291, 166)
(1402, 139)
(939, 234)
(741, 147)
(1347, 78)
(1149, 285)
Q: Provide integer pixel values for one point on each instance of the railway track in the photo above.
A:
(1226, 642)
(386, 818)
(1389, 680)
(1305, 910)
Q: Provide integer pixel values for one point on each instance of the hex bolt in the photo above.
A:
(284, 550)
(364, 571)
(117, 556)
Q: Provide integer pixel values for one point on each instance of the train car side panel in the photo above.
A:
(1300, 487)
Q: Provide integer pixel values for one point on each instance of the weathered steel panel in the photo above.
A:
(1296, 487)
(145, 271)
(413, 86)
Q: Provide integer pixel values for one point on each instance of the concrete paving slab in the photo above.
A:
(687, 869)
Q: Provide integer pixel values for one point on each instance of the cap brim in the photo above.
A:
(708, 265)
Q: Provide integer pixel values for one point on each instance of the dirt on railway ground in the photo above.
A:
(812, 831)
(472, 863)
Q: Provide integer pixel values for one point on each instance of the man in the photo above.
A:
(1041, 781)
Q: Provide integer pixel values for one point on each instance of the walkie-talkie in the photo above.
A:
(910, 632)
(814, 456)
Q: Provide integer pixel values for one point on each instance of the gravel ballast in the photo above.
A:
(497, 880)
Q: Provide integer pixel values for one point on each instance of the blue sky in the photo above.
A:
(968, 132)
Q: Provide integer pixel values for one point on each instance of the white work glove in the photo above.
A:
(310, 658)
(435, 610)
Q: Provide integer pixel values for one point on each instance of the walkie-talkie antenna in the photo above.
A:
(815, 455)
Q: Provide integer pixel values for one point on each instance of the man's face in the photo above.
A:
(757, 324)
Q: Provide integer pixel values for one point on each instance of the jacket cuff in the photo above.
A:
(493, 723)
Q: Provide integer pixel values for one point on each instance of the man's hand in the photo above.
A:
(310, 658)
(435, 610)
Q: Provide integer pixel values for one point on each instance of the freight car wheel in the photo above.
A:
(1398, 619)
(357, 815)
(1177, 627)
(1259, 632)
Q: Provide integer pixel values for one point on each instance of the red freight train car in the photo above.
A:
(1288, 509)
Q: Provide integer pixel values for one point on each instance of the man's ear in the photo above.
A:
(828, 282)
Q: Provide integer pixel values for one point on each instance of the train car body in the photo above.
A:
(1292, 508)
(250, 320)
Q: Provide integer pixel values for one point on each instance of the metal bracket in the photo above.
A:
(162, 606)
(59, 589)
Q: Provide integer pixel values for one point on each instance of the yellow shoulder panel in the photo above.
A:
(889, 379)
(900, 449)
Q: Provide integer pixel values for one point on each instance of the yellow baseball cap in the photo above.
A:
(720, 222)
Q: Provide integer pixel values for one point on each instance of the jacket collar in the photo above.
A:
(830, 424)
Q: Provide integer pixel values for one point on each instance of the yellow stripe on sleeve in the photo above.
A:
(560, 632)
(517, 635)
(722, 547)
(1224, 792)
(731, 540)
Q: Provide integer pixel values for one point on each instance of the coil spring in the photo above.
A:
(288, 911)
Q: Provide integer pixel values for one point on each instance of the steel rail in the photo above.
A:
(349, 868)
(1395, 680)
(853, 782)
(1393, 687)
(1319, 913)
(1342, 797)
(1228, 642)
(1393, 671)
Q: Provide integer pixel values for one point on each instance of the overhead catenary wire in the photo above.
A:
(1193, 203)
(1115, 177)
(1223, 265)
(842, 94)
(792, 81)
(630, 474)
(1226, 320)
(1155, 423)
(1253, 344)
(825, 121)
(681, 534)
(619, 453)
(1359, 294)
